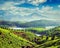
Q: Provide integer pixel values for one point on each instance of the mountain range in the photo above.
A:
(37, 23)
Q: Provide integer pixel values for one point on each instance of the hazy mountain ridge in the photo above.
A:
(37, 23)
(42, 23)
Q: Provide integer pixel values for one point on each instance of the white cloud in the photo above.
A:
(36, 2)
(6, 6)
(20, 2)
(47, 8)
(42, 1)
(59, 6)
(9, 7)
(46, 12)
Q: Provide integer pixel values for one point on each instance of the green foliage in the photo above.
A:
(22, 38)
(10, 40)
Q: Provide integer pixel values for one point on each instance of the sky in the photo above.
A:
(29, 10)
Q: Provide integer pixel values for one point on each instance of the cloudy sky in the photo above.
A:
(29, 10)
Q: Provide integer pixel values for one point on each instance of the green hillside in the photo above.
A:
(10, 40)
(26, 39)
(53, 39)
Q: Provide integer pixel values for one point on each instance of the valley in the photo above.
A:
(29, 23)
(29, 37)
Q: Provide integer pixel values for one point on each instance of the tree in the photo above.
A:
(47, 38)
(53, 37)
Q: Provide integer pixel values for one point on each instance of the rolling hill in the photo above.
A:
(10, 40)
(19, 39)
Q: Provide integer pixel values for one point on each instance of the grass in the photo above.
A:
(38, 29)
(18, 38)
(10, 40)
